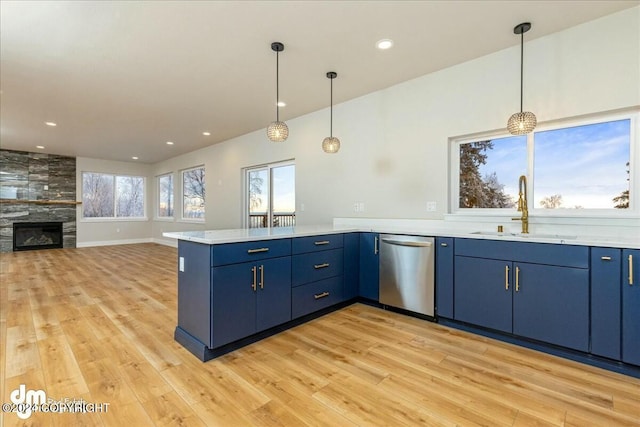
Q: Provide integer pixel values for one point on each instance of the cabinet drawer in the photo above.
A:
(534, 253)
(232, 253)
(317, 243)
(316, 266)
(315, 296)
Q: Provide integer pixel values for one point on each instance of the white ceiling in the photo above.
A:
(120, 78)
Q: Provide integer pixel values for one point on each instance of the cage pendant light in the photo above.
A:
(277, 131)
(331, 144)
(523, 122)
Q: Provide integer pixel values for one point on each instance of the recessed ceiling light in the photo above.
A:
(40, 147)
(134, 158)
(281, 104)
(50, 124)
(206, 133)
(384, 44)
(169, 142)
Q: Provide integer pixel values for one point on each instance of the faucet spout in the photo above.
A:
(522, 204)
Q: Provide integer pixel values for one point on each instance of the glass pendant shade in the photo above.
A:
(277, 131)
(331, 144)
(522, 123)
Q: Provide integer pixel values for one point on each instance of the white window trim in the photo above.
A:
(157, 216)
(115, 218)
(634, 173)
(182, 218)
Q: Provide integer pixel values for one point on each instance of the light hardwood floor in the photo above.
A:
(97, 324)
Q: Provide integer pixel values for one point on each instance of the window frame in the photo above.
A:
(115, 217)
(173, 193)
(634, 170)
(182, 217)
(245, 188)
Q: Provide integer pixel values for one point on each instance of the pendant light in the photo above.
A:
(331, 144)
(277, 131)
(523, 122)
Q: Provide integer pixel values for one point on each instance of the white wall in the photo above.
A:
(91, 232)
(394, 154)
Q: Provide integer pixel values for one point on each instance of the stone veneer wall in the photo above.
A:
(36, 176)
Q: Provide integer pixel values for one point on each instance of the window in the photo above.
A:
(112, 196)
(193, 193)
(576, 166)
(165, 196)
(270, 195)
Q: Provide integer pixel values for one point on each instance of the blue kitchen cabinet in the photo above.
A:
(444, 277)
(250, 297)
(194, 290)
(533, 290)
(483, 292)
(631, 306)
(606, 308)
(351, 265)
(369, 266)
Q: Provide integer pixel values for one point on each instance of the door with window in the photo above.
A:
(270, 196)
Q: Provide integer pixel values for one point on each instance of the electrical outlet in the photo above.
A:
(361, 207)
(301, 207)
(431, 206)
(181, 264)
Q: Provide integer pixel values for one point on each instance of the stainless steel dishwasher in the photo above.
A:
(407, 272)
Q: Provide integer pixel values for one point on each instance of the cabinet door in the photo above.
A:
(194, 290)
(631, 306)
(551, 304)
(351, 265)
(274, 293)
(444, 277)
(605, 302)
(369, 266)
(234, 302)
(483, 292)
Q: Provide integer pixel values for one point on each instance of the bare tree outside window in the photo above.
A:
(165, 196)
(110, 196)
(97, 195)
(193, 193)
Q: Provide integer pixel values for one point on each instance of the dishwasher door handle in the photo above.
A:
(407, 243)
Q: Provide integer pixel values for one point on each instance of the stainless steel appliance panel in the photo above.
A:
(407, 272)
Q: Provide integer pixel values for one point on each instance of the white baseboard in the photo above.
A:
(113, 242)
(167, 242)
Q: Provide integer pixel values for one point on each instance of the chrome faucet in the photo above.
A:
(522, 204)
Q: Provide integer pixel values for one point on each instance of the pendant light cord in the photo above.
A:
(331, 115)
(278, 88)
(521, 66)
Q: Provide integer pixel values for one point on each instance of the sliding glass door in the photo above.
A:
(270, 195)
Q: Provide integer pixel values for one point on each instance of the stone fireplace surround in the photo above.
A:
(26, 178)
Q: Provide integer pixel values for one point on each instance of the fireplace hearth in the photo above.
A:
(29, 236)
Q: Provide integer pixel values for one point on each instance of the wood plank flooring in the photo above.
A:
(97, 324)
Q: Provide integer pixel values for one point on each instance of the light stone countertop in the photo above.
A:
(216, 237)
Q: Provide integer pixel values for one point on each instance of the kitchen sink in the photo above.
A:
(526, 236)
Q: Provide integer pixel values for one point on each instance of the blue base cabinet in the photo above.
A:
(606, 308)
(631, 306)
(444, 277)
(369, 265)
(533, 290)
(351, 265)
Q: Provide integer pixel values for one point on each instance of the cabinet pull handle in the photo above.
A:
(322, 295)
(255, 251)
(630, 270)
(322, 242)
(261, 268)
(375, 245)
(506, 277)
(606, 258)
(517, 279)
(444, 245)
(253, 285)
(319, 266)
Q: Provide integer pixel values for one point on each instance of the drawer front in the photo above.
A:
(317, 243)
(232, 253)
(534, 253)
(316, 266)
(315, 296)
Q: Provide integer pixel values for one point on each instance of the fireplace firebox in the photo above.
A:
(29, 236)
